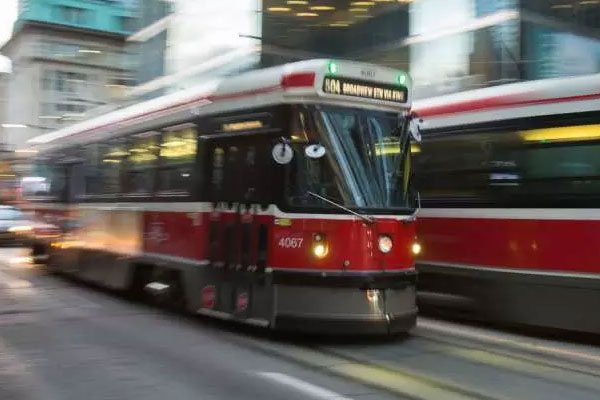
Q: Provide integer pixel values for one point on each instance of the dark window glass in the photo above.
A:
(554, 166)
(113, 156)
(48, 182)
(363, 164)
(218, 172)
(92, 174)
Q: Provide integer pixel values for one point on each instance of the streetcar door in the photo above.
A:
(241, 185)
(237, 239)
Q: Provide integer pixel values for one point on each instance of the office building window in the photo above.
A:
(127, 24)
(73, 15)
(67, 82)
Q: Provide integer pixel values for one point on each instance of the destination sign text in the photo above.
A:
(364, 89)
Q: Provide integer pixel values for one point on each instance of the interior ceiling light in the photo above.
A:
(339, 24)
(279, 9)
(307, 14)
(362, 3)
(358, 10)
(322, 8)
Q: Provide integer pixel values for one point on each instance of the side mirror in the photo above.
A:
(282, 153)
(414, 128)
(314, 151)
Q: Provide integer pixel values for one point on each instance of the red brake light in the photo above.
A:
(298, 80)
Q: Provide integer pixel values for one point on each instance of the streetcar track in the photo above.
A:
(534, 358)
(535, 354)
(441, 384)
(352, 366)
(345, 366)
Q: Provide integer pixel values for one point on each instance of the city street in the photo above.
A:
(61, 340)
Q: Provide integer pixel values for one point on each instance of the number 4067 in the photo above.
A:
(290, 243)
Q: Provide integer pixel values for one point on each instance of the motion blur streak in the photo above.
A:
(473, 334)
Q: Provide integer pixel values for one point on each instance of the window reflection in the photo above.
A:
(112, 159)
(179, 145)
(177, 156)
(143, 154)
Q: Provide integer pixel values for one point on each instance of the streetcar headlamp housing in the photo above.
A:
(320, 248)
(385, 244)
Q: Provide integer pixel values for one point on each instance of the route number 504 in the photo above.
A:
(290, 243)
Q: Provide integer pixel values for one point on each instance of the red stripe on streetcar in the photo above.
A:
(494, 103)
(298, 80)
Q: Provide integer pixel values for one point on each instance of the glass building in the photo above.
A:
(447, 46)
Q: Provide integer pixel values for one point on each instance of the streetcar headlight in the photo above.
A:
(416, 248)
(319, 247)
(385, 243)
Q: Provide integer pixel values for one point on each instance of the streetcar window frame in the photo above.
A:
(132, 170)
(175, 167)
(524, 190)
(248, 184)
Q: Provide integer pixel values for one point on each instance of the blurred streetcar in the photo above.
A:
(280, 198)
(510, 182)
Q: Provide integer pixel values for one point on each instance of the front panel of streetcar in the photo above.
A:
(343, 240)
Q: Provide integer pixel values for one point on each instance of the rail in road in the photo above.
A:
(59, 340)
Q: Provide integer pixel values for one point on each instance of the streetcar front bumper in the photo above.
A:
(345, 303)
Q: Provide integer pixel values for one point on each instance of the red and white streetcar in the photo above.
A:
(510, 182)
(280, 197)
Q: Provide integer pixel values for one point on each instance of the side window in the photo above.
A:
(92, 178)
(233, 174)
(308, 174)
(217, 174)
(47, 183)
(177, 159)
(251, 179)
(113, 155)
(457, 168)
(559, 165)
(141, 163)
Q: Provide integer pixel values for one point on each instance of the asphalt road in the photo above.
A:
(60, 340)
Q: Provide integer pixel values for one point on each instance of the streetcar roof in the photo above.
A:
(511, 101)
(300, 82)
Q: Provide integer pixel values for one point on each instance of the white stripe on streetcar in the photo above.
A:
(207, 207)
(314, 391)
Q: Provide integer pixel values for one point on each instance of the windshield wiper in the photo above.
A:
(366, 218)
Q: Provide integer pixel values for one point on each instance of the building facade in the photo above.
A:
(68, 57)
(447, 46)
(182, 42)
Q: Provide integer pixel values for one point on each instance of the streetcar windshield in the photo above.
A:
(365, 162)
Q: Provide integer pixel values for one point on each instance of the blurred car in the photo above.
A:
(15, 228)
(18, 229)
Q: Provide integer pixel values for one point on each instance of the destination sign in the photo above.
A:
(364, 89)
